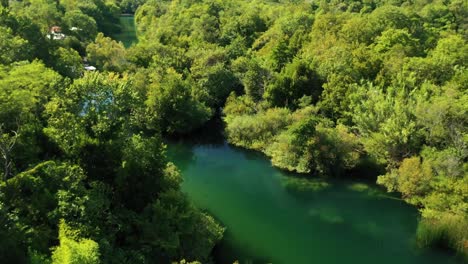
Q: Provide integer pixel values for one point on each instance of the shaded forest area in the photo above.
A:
(325, 88)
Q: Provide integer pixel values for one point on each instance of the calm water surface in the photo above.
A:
(274, 217)
(128, 34)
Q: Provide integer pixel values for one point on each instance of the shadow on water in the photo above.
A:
(181, 146)
(210, 134)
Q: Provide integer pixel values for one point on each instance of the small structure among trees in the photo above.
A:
(55, 33)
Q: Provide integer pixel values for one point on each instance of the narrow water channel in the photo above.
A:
(128, 34)
(276, 218)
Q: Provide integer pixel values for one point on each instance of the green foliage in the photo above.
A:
(412, 178)
(34, 197)
(99, 121)
(43, 12)
(73, 250)
(252, 76)
(24, 89)
(437, 181)
(386, 122)
(294, 141)
(137, 183)
(12, 48)
(106, 53)
(381, 82)
(295, 81)
(214, 82)
(319, 87)
(68, 62)
(446, 230)
(86, 27)
(257, 131)
(14, 248)
(22, 93)
(173, 105)
(130, 6)
(90, 111)
(105, 13)
(311, 145)
(174, 228)
(185, 262)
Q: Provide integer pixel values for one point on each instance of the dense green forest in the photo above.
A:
(335, 88)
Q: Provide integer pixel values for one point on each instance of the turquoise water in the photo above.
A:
(274, 217)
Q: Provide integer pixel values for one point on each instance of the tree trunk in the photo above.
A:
(7, 167)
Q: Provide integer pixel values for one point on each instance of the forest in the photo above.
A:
(329, 88)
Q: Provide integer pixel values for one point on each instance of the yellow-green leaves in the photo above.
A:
(74, 250)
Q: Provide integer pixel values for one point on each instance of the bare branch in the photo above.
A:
(7, 143)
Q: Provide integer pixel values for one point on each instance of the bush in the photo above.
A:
(257, 131)
(314, 145)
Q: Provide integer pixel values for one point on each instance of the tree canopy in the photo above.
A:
(324, 88)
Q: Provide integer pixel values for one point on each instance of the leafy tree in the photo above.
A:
(412, 178)
(23, 93)
(213, 79)
(248, 25)
(74, 250)
(130, 6)
(14, 246)
(24, 89)
(68, 62)
(311, 145)
(252, 76)
(22, 27)
(86, 27)
(105, 13)
(44, 13)
(172, 105)
(174, 228)
(257, 131)
(106, 54)
(33, 196)
(137, 182)
(319, 87)
(12, 48)
(92, 110)
(386, 123)
(295, 81)
(396, 39)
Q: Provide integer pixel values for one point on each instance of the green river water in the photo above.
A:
(128, 34)
(277, 217)
(282, 218)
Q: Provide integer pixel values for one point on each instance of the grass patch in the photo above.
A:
(447, 230)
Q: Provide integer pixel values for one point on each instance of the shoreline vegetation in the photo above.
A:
(321, 87)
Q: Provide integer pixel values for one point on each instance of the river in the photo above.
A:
(128, 34)
(282, 218)
(277, 217)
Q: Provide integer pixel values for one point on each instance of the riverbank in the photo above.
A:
(277, 217)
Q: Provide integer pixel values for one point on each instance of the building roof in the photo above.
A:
(55, 29)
